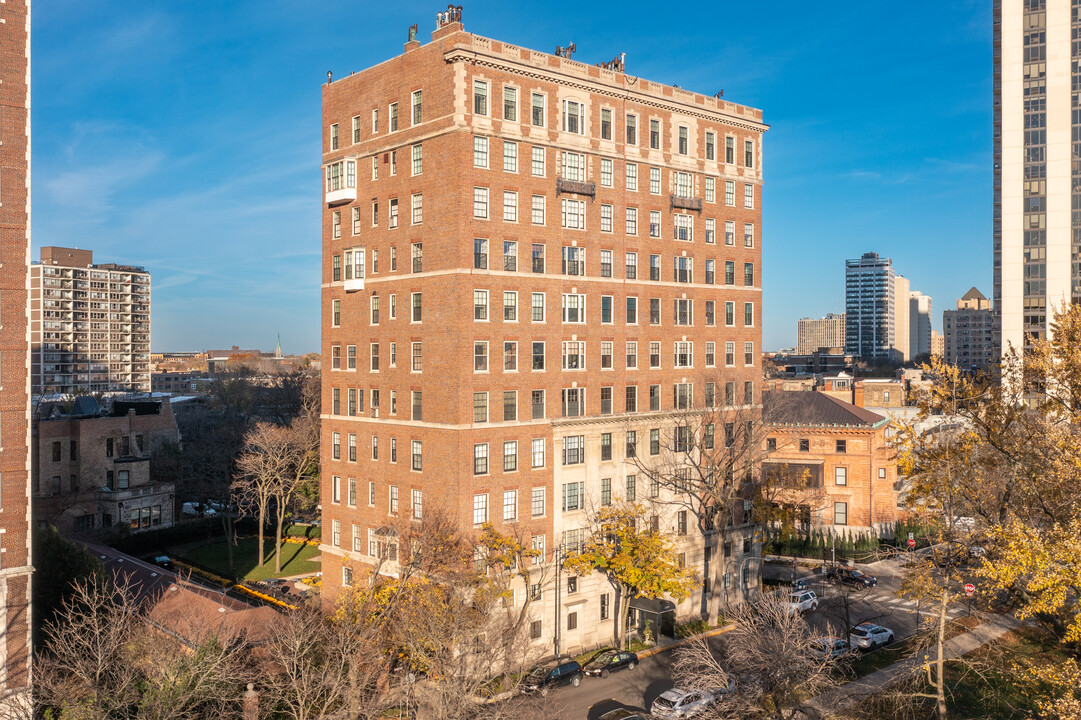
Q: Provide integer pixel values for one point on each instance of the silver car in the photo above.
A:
(868, 636)
(680, 703)
(830, 647)
(801, 602)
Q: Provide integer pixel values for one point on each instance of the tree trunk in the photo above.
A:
(227, 526)
(940, 679)
(716, 571)
(262, 521)
(624, 610)
(278, 538)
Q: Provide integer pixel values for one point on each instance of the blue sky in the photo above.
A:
(184, 137)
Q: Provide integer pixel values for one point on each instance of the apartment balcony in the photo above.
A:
(353, 284)
(575, 187)
(686, 203)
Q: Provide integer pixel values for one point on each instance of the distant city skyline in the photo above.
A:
(186, 140)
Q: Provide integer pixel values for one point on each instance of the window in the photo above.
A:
(375, 309)
(711, 190)
(480, 509)
(537, 461)
(683, 140)
(537, 115)
(510, 356)
(729, 192)
(510, 104)
(417, 108)
(655, 268)
(334, 136)
(711, 312)
(654, 134)
(510, 505)
(730, 150)
(606, 263)
(710, 142)
(748, 235)
(729, 313)
(606, 401)
(480, 304)
(510, 257)
(574, 260)
(416, 217)
(804, 445)
(606, 218)
(655, 180)
(654, 354)
(573, 494)
(393, 162)
(606, 491)
(632, 129)
(606, 172)
(573, 117)
(510, 156)
(711, 232)
(632, 221)
(711, 354)
(748, 153)
(632, 311)
(480, 152)
(417, 448)
(574, 214)
(606, 124)
(681, 396)
(748, 353)
(480, 97)
(683, 312)
(538, 161)
(606, 309)
(681, 522)
(574, 357)
(480, 203)
(480, 356)
(375, 357)
(632, 487)
(840, 476)
(683, 268)
(748, 196)
(683, 354)
(632, 266)
(632, 177)
(538, 356)
(510, 306)
(336, 488)
(352, 447)
(336, 533)
(418, 159)
(573, 454)
(537, 307)
(654, 223)
(882, 473)
(572, 617)
(336, 224)
(480, 467)
(683, 227)
(655, 441)
(606, 355)
(840, 513)
(510, 206)
(336, 314)
(748, 314)
(480, 406)
(392, 221)
(537, 213)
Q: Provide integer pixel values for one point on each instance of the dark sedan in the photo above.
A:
(850, 576)
(609, 660)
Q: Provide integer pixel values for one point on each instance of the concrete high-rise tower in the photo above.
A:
(1037, 235)
(919, 324)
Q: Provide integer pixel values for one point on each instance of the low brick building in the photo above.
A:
(830, 461)
(93, 466)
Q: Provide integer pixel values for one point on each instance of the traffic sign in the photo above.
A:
(969, 589)
(911, 543)
(912, 536)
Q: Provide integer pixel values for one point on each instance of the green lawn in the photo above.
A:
(296, 559)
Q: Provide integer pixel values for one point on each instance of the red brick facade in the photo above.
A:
(468, 149)
(14, 353)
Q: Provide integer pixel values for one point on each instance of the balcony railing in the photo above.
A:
(576, 187)
(684, 203)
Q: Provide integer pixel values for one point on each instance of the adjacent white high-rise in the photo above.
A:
(919, 324)
(870, 300)
(1037, 148)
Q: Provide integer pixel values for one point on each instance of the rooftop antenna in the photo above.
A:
(566, 52)
(330, 76)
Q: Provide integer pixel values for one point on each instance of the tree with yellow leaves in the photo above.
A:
(636, 560)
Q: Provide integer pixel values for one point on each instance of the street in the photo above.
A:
(639, 687)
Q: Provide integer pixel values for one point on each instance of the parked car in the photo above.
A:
(678, 703)
(608, 661)
(801, 602)
(625, 714)
(852, 577)
(868, 636)
(194, 508)
(831, 647)
(543, 678)
(164, 562)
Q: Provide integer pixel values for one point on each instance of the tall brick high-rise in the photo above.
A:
(531, 267)
(14, 350)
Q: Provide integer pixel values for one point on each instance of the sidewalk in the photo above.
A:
(830, 704)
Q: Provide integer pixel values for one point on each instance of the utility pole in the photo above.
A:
(559, 587)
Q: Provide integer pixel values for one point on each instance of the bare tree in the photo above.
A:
(267, 458)
(768, 662)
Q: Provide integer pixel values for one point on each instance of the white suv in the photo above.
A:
(868, 636)
(801, 602)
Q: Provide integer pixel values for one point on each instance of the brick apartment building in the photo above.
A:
(837, 458)
(531, 265)
(15, 564)
(93, 468)
(89, 324)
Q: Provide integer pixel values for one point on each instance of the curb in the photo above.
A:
(708, 633)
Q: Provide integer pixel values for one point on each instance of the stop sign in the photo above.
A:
(969, 589)
(911, 543)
